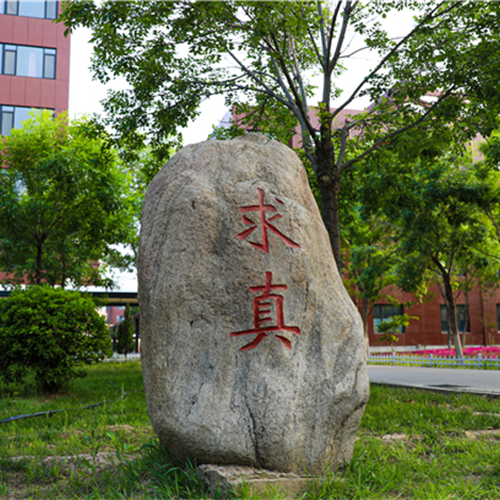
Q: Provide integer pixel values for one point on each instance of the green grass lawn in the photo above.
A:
(410, 445)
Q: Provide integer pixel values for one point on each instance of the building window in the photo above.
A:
(43, 9)
(9, 59)
(498, 317)
(21, 60)
(382, 312)
(12, 117)
(120, 318)
(460, 319)
(7, 123)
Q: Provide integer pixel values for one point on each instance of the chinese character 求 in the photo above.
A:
(265, 224)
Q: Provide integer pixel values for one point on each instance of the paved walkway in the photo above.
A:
(444, 379)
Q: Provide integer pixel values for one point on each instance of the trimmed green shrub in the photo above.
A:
(52, 332)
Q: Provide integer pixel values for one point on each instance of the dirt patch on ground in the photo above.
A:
(489, 434)
(401, 437)
(98, 461)
(125, 428)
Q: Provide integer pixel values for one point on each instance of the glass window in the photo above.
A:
(13, 116)
(382, 312)
(460, 318)
(22, 60)
(11, 7)
(7, 114)
(498, 316)
(29, 61)
(9, 60)
(32, 8)
(51, 9)
(20, 115)
(49, 66)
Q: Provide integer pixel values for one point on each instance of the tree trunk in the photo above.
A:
(63, 275)
(452, 315)
(330, 190)
(447, 311)
(38, 273)
(466, 312)
(329, 185)
(364, 317)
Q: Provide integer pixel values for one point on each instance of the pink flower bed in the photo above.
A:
(490, 352)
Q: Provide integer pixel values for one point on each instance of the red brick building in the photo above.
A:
(34, 61)
(431, 328)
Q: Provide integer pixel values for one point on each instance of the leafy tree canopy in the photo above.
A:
(261, 55)
(439, 207)
(63, 204)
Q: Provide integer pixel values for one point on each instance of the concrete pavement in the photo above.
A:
(486, 382)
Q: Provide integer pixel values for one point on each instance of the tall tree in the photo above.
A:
(63, 204)
(262, 54)
(369, 245)
(125, 334)
(441, 232)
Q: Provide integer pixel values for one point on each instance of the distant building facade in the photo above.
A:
(34, 61)
(431, 328)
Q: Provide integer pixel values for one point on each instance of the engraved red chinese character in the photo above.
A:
(262, 307)
(265, 224)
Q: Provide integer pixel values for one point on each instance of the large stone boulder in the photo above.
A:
(252, 350)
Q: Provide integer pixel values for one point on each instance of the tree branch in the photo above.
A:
(342, 166)
(426, 19)
(345, 22)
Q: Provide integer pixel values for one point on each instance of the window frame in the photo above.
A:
(13, 48)
(8, 3)
(397, 309)
(12, 111)
(52, 53)
(460, 312)
(14, 6)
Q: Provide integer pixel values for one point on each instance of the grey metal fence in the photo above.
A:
(480, 362)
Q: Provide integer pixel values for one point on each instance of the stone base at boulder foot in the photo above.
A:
(227, 478)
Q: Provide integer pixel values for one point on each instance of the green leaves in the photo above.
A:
(51, 332)
(125, 335)
(63, 202)
(439, 76)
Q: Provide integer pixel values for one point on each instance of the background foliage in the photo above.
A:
(64, 203)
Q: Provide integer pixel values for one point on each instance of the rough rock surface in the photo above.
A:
(293, 398)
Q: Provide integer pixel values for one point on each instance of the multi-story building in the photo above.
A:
(34, 61)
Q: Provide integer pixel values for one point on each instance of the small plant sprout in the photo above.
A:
(391, 327)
